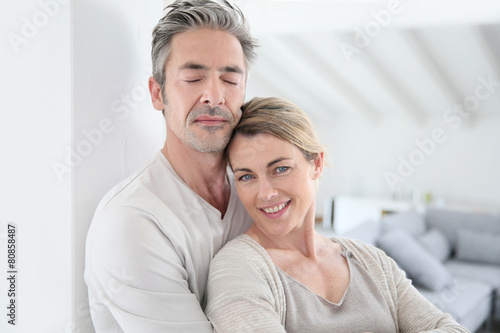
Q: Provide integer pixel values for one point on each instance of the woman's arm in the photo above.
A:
(415, 313)
(411, 311)
(243, 294)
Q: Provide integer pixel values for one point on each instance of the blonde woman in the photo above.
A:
(281, 275)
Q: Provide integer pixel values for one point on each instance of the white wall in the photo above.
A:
(111, 63)
(461, 170)
(35, 130)
(75, 119)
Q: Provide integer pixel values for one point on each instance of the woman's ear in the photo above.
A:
(318, 165)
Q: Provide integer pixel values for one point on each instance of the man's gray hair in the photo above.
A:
(186, 15)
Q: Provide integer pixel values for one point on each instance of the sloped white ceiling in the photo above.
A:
(427, 58)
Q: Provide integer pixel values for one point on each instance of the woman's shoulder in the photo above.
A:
(243, 262)
(243, 243)
(363, 252)
(351, 243)
(242, 250)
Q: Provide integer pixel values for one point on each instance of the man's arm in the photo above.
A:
(136, 278)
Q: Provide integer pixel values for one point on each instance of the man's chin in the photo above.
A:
(209, 145)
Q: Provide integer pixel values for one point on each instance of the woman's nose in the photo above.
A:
(266, 190)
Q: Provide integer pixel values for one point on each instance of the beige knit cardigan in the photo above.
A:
(245, 293)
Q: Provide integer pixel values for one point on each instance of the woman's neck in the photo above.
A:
(302, 241)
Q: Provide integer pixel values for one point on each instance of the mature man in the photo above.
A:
(153, 235)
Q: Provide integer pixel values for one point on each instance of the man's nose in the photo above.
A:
(213, 93)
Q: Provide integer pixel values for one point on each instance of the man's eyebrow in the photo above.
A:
(227, 69)
(192, 65)
(232, 69)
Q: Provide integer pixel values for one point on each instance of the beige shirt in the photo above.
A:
(362, 308)
(148, 252)
(245, 292)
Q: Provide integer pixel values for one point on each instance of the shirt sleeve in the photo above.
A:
(241, 296)
(136, 278)
(415, 313)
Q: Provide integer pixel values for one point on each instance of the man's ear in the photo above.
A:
(156, 94)
(318, 165)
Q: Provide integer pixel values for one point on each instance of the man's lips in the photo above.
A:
(210, 121)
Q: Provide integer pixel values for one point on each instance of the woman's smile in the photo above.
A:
(276, 211)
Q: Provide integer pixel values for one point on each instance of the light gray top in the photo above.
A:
(362, 308)
(245, 292)
(148, 252)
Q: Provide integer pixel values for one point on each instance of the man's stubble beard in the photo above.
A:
(213, 144)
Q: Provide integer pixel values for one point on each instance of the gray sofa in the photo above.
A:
(453, 258)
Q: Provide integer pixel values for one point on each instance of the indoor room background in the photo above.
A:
(404, 94)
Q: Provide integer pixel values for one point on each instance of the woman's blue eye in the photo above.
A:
(281, 169)
(245, 177)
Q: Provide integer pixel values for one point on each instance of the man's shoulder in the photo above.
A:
(145, 197)
(152, 182)
(156, 195)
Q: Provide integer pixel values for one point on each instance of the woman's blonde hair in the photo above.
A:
(281, 119)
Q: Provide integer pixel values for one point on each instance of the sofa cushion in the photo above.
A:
(486, 273)
(449, 222)
(410, 221)
(366, 232)
(478, 246)
(436, 243)
(468, 301)
(421, 266)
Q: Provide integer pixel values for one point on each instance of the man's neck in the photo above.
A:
(204, 173)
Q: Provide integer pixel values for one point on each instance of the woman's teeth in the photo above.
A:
(275, 208)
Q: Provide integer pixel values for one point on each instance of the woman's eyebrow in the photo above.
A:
(270, 164)
(276, 161)
(242, 170)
